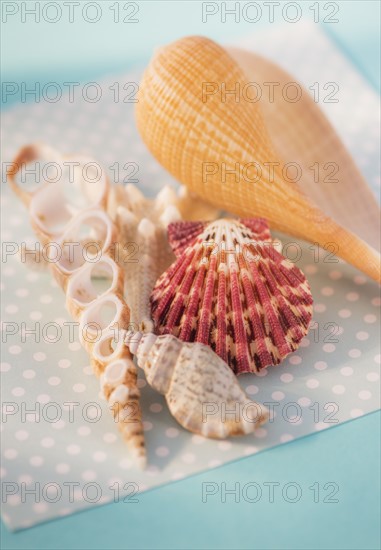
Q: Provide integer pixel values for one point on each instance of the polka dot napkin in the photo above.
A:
(61, 451)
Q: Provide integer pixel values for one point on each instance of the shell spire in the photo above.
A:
(201, 391)
(103, 315)
(231, 289)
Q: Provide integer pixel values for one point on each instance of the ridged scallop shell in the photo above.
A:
(201, 391)
(231, 289)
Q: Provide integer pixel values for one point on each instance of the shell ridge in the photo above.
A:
(252, 288)
(182, 234)
(203, 331)
(259, 348)
(285, 306)
(293, 280)
(231, 289)
(278, 339)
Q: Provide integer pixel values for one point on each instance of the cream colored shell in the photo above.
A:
(73, 269)
(202, 392)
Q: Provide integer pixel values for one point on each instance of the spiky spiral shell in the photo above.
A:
(201, 391)
(231, 289)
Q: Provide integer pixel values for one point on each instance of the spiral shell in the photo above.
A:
(201, 391)
(79, 183)
(218, 144)
(100, 334)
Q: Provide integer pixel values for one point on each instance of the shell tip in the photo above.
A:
(141, 460)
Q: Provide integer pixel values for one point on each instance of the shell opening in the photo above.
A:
(108, 312)
(85, 239)
(115, 372)
(69, 187)
(93, 281)
(88, 183)
(49, 211)
(34, 167)
(110, 346)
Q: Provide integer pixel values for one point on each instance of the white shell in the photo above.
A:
(58, 221)
(76, 183)
(80, 292)
(202, 392)
(144, 252)
(94, 323)
(110, 346)
(73, 250)
(74, 267)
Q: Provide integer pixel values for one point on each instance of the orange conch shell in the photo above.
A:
(218, 144)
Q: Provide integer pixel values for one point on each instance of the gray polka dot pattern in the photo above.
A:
(57, 432)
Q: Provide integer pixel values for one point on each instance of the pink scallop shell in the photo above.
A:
(231, 289)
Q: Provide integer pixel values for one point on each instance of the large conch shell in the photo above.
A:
(196, 119)
(231, 289)
(201, 391)
(75, 257)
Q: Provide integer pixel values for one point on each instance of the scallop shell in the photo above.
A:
(221, 146)
(231, 289)
(201, 391)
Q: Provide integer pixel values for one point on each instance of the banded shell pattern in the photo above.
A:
(201, 391)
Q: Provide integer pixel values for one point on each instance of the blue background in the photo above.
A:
(174, 516)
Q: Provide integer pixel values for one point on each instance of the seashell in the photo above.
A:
(109, 347)
(220, 147)
(143, 252)
(108, 312)
(193, 208)
(104, 315)
(231, 289)
(28, 154)
(201, 391)
(50, 205)
(75, 247)
(81, 292)
(118, 382)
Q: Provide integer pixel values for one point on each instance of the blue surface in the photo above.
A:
(174, 516)
(79, 51)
